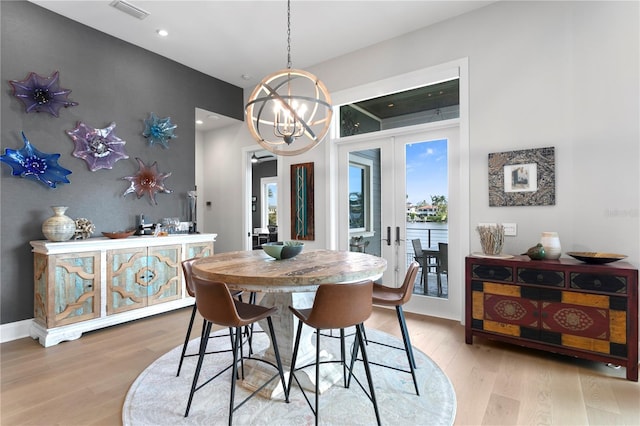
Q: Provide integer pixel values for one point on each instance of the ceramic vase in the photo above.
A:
(59, 227)
(551, 243)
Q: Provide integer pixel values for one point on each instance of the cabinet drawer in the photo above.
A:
(599, 282)
(541, 277)
(491, 272)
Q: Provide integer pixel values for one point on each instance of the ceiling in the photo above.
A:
(242, 41)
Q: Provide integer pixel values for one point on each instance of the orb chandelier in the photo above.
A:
(289, 112)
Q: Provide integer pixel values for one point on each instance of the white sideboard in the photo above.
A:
(84, 285)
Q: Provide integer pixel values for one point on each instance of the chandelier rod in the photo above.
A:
(289, 34)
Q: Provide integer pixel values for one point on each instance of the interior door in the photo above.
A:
(382, 200)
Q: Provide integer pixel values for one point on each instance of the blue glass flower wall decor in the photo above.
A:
(42, 94)
(159, 130)
(147, 181)
(100, 148)
(30, 163)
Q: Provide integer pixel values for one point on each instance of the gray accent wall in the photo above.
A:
(112, 81)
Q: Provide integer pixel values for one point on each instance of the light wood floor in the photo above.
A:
(84, 382)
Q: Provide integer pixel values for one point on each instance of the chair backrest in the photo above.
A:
(187, 271)
(443, 255)
(417, 247)
(409, 281)
(215, 303)
(341, 305)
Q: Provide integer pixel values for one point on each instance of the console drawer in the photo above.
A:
(491, 272)
(599, 282)
(541, 277)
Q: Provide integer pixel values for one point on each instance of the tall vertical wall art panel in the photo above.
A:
(302, 220)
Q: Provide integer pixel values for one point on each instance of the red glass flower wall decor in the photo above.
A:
(41, 94)
(147, 181)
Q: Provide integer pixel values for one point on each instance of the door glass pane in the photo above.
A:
(426, 217)
(356, 197)
(364, 201)
(272, 203)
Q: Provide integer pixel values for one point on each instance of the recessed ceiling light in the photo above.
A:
(162, 33)
(391, 105)
(246, 77)
(199, 121)
(213, 117)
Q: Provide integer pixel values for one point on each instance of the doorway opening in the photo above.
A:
(398, 140)
(264, 198)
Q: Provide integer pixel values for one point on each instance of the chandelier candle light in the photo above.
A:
(289, 112)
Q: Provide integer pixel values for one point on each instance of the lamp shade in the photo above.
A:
(289, 112)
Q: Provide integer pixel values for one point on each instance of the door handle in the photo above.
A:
(388, 239)
(397, 235)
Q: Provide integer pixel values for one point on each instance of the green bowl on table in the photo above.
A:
(283, 249)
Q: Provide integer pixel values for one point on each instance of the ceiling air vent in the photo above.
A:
(129, 9)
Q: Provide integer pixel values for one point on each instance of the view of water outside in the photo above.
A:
(427, 185)
(426, 169)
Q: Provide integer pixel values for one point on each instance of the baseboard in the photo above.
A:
(15, 330)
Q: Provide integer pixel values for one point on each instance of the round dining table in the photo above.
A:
(284, 283)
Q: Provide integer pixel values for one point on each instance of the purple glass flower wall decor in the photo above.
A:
(100, 148)
(41, 94)
(147, 181)
(30, 163)
(159, 130)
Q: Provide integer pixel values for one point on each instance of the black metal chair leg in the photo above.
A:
(317, 374)
(234, 373)
(354, 357)
(186, 338)
(407, 346)
(295, 355)
(365, 360)
(203, 349)
(405, 336)
(343, 359)
(278, 359)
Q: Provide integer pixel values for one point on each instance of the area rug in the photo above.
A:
(158, 397)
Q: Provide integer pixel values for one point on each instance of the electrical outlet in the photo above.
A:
(510, 229)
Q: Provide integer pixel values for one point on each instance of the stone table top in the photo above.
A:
(256, 271)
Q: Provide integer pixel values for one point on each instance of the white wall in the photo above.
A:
(562, 74)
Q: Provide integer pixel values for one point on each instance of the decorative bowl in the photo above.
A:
(119, 234)
(283, 249)
(596, 257)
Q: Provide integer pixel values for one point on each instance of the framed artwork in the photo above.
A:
(522, 178)
(302, 219)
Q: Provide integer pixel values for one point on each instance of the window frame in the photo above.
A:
(366, 165)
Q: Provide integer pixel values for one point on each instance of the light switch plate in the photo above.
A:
(510, 229)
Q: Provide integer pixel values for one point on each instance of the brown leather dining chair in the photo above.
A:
(336, 306)
(217, 306)
(187, 270)
(396, 297)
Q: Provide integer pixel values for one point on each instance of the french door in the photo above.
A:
(376, 173)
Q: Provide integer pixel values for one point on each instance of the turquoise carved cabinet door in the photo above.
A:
(202, 249)
(67, 288)
(140, 277)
